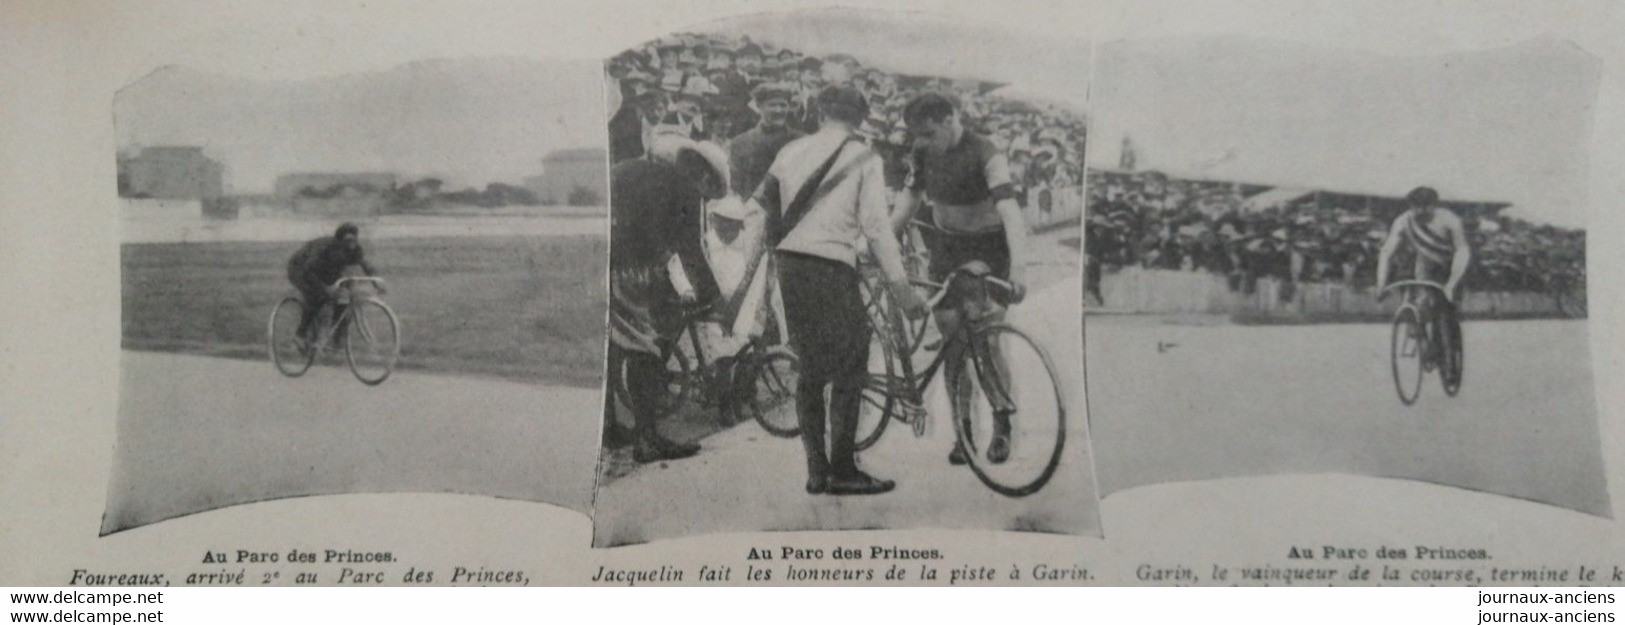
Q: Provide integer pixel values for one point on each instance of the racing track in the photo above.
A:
(199, 433)
(1178, 400)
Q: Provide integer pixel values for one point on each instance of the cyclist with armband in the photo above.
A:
(966, 178)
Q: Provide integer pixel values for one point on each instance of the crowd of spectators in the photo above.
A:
(1148, 220)
(701, 86)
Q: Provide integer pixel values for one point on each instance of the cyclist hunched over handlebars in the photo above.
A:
(315, 270)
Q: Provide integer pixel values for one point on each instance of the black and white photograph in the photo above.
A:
(1308, 260)
(554, 294)
(845, 280)
(377, 281)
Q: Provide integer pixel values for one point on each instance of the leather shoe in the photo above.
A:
(858, 483)
(655, 448)
(817, 484)
(998, 449)
(958, 457)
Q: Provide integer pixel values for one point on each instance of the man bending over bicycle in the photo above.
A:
(316, 267)
(967, 179)
(1439, 240)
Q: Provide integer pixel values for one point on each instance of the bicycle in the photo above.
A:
(758, 382)
(368, 330)
(1413, 345)
(988, 349)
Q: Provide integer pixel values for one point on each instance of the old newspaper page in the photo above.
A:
(782, 293)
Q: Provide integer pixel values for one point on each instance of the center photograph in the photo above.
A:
(845, 280)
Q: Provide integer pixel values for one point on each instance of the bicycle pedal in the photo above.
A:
(915, 415)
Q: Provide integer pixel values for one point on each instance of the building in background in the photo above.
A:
(576, 177)
(171, 173)
(327, 185)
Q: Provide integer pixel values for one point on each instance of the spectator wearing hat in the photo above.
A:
(750, 154)
(667, 53)
(718, 56)
(805, 115)
(633, 122)
(687, 113)
(816, 234)
(1021, 173)
(731, 105)
(748, 59)
(839, 69)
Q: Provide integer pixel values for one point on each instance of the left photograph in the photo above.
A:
(387, 281)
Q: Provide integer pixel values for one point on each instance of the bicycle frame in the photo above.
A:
(960, 340)
(1428, 284)
(1438, 338)
(710, 382)
(1432, 310)
(347, 285)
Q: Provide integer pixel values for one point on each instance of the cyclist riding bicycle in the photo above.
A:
(967, 180)
(316, 267)
(1439, 240)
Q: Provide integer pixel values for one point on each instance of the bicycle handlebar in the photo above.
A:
(1403, 283)
(941, 288)
(374, 280)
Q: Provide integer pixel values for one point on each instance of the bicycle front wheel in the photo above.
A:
(282, 337)
(372, 342)
(878, 404)
(771, 394)
(1454, 359)
(1016, 392)
(1408, 348)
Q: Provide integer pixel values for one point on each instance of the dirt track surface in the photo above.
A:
(1176, 402)
(198, 433)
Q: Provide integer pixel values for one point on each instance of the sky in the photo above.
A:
(1044, 65)
(476, 120)
(469, 122)
(1509, 124)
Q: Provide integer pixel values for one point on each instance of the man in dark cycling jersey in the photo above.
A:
(317, 266)
(966, 179)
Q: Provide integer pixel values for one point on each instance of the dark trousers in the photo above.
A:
(645, 382)
(829, 332)
(314, 297)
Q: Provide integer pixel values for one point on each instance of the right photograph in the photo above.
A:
(1303, 259)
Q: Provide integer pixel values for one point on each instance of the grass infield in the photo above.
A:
(524, 308)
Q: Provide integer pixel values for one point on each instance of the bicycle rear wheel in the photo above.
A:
(372, 342)
(1013, 375)
(771, 391)
(1407, 350)
(282, 339)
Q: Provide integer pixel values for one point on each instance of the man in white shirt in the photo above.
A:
(823, 193)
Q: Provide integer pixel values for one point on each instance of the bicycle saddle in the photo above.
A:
(976, 269)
